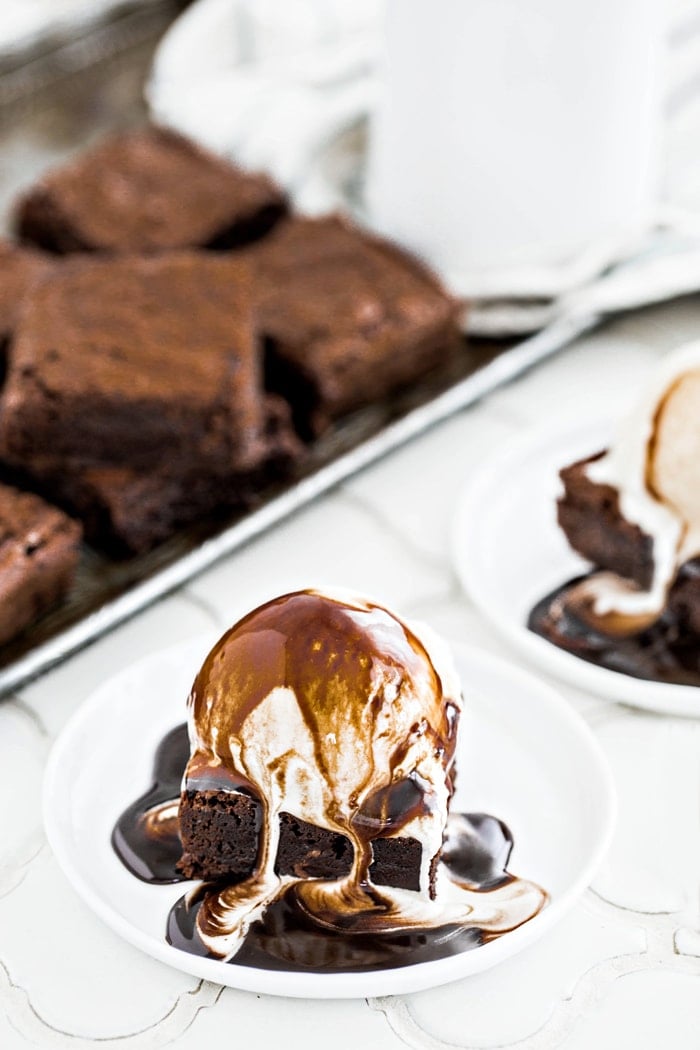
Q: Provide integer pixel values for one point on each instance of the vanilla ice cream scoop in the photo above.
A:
(673, 473)
(323, 704)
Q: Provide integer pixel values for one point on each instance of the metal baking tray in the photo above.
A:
(43, 119)
(107, 592)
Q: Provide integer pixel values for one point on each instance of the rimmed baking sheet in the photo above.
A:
(107, 592)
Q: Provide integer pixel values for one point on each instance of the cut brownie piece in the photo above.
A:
(19, 268)
(590, 516)
(38, 555)
(348, 318)
(144, 191)
(127, 511)
(220, 831)
(143, 361)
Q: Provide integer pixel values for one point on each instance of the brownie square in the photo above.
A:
(127, 511)
(220, 832)
(149, 190)
(19, 269)
(38, 555)
(145, 361)
(347, 318)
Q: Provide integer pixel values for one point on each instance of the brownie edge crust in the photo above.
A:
(220, 830)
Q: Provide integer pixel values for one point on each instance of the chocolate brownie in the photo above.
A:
(220, 829)
(19, 268)
(590, 516)
(126, 511)
(38, 555)
(684, 599)
(145, 361)
(145, 191)
(347, 317)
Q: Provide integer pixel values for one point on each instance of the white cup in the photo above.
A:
(512, 133)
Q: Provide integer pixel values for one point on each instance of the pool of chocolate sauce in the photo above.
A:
(146, 840)
(148, 849)
(666, 652)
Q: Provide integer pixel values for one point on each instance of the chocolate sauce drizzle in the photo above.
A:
(150, 848)
(475, 854)
(666, 652)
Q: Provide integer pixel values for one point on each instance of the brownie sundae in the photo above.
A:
(318, 771)
(634, 512)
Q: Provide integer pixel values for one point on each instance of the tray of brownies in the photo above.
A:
(185, 361)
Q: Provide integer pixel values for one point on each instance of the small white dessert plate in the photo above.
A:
(523, 755)
(509, 552)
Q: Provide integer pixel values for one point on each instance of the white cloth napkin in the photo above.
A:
(287, 85)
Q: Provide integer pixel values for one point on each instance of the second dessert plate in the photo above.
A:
(522, 755)
(509, 552)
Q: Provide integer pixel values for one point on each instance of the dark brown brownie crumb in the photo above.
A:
(39, 548)
(147, 191)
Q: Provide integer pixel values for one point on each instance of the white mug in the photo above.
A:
(515, 133)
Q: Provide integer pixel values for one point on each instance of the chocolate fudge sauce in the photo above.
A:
(285, 939)
(476, 851)
(146, 837)
(665, 652)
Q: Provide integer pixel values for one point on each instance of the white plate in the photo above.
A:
(523, 756)
(509, 552)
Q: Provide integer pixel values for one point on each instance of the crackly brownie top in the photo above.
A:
(323, 277)
(143, 342)
(19, 268)
(147, 190)
(28, 524)
(162, 325)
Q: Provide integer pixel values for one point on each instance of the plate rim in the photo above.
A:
(396, 981)
(541, 655)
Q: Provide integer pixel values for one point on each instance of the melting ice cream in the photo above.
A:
(654, 463)
(331, 709)
(322, 704)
